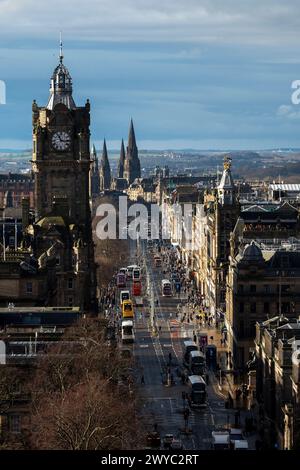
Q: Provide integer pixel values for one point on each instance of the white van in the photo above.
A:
(124, 295)
(127, 331)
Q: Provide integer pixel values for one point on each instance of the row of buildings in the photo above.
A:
(241, 244)
(243, 254)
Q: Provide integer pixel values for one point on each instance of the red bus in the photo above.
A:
(121, 280)
(136, 288)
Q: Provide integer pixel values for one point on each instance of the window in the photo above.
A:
(253, 307)
(252, 288)
(240, 288)
(57, 261)
(70, 283)
(28, 287)
(267, 288)
(241, 309)
(14, 423)
(70, 301)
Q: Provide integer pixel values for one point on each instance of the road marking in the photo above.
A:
(169, 345)
(144, 346)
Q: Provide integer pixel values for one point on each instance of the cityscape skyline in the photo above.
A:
(150, 230)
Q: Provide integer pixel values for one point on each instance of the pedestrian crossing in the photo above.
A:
(168, 414)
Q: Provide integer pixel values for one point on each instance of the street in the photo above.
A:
(162, 404)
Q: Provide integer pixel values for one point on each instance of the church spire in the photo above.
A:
(132, 166)
(131, 137)
(105, 174)
(94, 158)
(104, 153)
(121, 161)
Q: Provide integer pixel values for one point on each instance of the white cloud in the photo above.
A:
(233, 21)
(288, 111)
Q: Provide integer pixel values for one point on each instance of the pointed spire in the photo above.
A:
(122, 153)
(226, 180)
(93, 152)
(226, 187)
(132, 166)
(131, 136)
(121, 161)
(104, 152)
(61, 85)
(105, 174)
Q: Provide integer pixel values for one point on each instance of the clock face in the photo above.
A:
(61, 140)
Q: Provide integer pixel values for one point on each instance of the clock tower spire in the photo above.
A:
(61, 84)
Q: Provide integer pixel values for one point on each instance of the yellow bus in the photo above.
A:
(127, 309)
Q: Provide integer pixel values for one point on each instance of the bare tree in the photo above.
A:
(88, 416)
(81, 398)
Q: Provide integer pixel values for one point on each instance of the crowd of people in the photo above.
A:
(107, 302)
(195, 308)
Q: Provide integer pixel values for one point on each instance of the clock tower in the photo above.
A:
(61, 155)
(61, 165)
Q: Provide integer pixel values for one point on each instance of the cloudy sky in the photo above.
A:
(192, 73)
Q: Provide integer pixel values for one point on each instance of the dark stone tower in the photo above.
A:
(105, 174)
(61, 155)
(61, 166)
(121, 161)
(132, 167)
